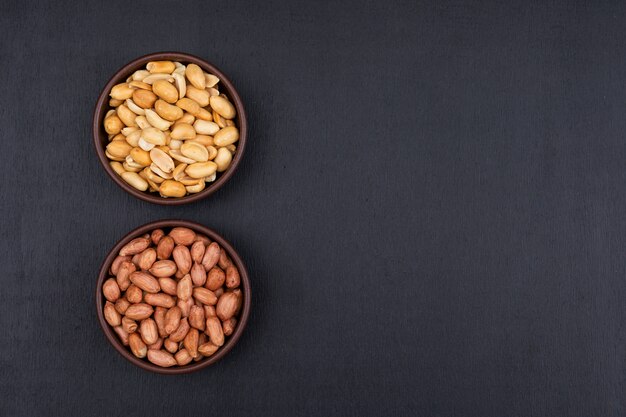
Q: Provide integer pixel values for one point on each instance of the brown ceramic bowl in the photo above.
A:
(101, 139)
(242, 318)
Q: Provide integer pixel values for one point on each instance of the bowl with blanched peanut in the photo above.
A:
(169, 128)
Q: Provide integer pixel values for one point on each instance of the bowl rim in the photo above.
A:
(102, 107)
(194, 366)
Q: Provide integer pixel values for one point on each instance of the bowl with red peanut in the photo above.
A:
(173, 297)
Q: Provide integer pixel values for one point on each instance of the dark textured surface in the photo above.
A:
(431, 208)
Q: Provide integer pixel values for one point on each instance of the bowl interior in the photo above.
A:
(101, 138)
(242, 319)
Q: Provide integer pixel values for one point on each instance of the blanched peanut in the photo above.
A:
(183, 131)
(157, 121)
(139, 75)
(119, 149)
(126, 115)
(191, 189)
(187, 180)
(199, 96)
(221, 122)
(134, 108)
(204, 127)
(187, 118)
(129, 129)
(204, 140)
(144, 145)
(188, 105)
(113, 125)
(168, 111)
(195, 75)
(212, 150)
(226, 136)
(223, 159)
(162, 160)
(165, 175)
(140, 84)
(130, 168)
(161, 67)
(177, 155)
(223, 107)
(144, 98)
(153, 135)
(204, 114)
(179, 171)
(195, 151)
(113, 158)
(135, 180)
(131, 163)
(151, 176)
(165, 90)
(171, 188)
(201, 169)
(141, 157)
(121, 91)
(181, 85)
(142, 122)
(211, 80)
(175, 144)
(117, 167)
(152, 78)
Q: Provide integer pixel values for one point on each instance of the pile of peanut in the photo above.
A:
(170, 130)
(172, 298)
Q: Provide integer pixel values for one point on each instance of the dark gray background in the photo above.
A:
(431, 207)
